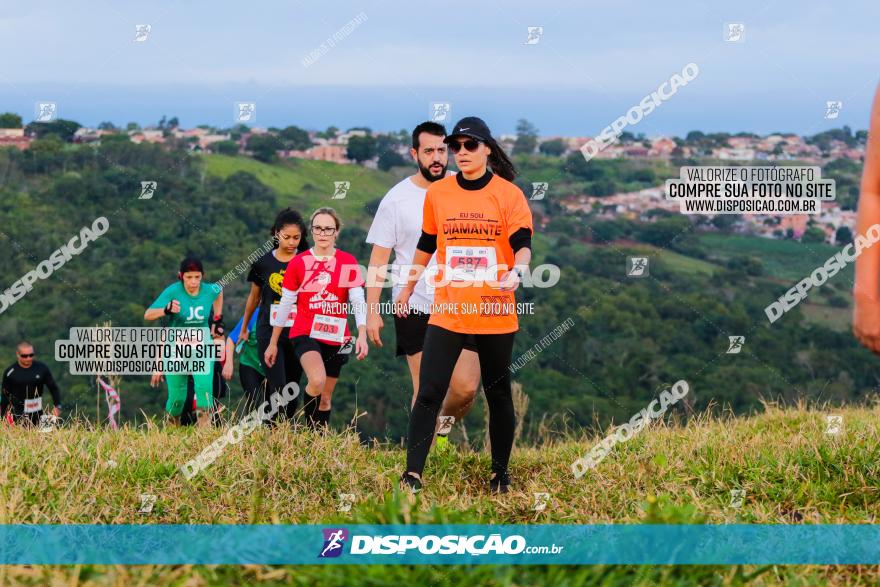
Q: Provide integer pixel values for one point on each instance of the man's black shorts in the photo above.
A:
(333, 360)
(411, 334)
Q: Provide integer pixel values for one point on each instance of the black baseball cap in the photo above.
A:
(469, 126)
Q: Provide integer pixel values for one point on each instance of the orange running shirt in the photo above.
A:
(473, 228)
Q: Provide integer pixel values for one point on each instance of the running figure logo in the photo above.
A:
(440, 111)
(141, 32)
(46, 111)
(737, 496)
(446, 423)
(734, 32)
(539, 190)
(334, 540)
(345, 502)
(541, 500)
(736, 344)
(832, 109)
(341, 189)
(245, 112)
(835, 423)
(535, 34)
(148, 188)
(637, 266)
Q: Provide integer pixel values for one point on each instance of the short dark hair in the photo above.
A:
(191, 264)
(432, 128)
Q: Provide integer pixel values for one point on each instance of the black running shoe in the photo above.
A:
(500, 483)
(410, 482)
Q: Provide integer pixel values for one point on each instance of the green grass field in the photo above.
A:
(310, 183)
(791, 470)
(786, 260)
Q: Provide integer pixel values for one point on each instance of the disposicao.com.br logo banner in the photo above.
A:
(454, 544)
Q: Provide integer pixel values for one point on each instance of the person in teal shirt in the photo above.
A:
(189, 303)
(250, 371)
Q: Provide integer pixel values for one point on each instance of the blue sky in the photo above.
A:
(594, 61)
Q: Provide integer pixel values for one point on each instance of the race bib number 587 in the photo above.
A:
(471, 263)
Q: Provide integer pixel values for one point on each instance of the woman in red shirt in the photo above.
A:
(324, 283)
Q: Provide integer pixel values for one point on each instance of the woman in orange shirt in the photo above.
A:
(866, 291)
(480, 225)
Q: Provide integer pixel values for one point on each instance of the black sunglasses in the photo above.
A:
(25, 356)
(471, 145)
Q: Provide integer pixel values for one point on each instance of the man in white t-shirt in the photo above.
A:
(397, 226)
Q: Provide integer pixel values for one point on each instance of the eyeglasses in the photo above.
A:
(471, 145)
(324, 230)
(26, 356)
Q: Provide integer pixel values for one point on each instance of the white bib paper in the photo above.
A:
(471, 263)
(328, 328)
(274, 320)
(33, 405)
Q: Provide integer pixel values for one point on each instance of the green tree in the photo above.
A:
(553, 147)
(843, 236)
(224, 147)
(814, 234)
(265, 147)
(295, 138)
(106, 125)
(389, 159)
(526, 138)
(361, 149)
(10, 120)
(61, 128)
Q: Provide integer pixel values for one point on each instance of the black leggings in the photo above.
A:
(252, 384)
(439, 355)
(285, 369)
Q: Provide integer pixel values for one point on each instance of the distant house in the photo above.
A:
(741, 142)
(14, 137)
(332, 153)
(734, 154)
(206, 140)
(147, 135)
(661, 147)
(636, 151)
(796, 222)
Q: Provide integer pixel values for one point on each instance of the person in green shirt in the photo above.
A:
(189, 303)
(251, 372)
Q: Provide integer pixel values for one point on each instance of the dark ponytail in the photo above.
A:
(499, 162)
(291, 216)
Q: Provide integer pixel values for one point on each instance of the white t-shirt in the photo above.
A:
(398, 226)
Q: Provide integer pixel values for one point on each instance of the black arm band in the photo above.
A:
(168, 308)
(427, 243)
(520, 239)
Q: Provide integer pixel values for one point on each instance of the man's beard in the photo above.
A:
(426, 173)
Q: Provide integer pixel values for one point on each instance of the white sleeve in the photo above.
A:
(288, 299)
(382, 231)
(359, 305)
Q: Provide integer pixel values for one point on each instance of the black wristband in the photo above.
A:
(168, 308)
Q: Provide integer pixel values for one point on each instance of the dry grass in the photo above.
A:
(792, 471)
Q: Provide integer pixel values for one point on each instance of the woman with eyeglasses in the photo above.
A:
(480, 226)
(324, 283)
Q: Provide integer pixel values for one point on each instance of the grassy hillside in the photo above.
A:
(791, 470)
(783, 259)
(310, 183)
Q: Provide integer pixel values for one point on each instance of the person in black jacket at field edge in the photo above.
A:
(22, 388)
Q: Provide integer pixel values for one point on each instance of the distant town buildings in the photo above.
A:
(333, 147)
(14, 137)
